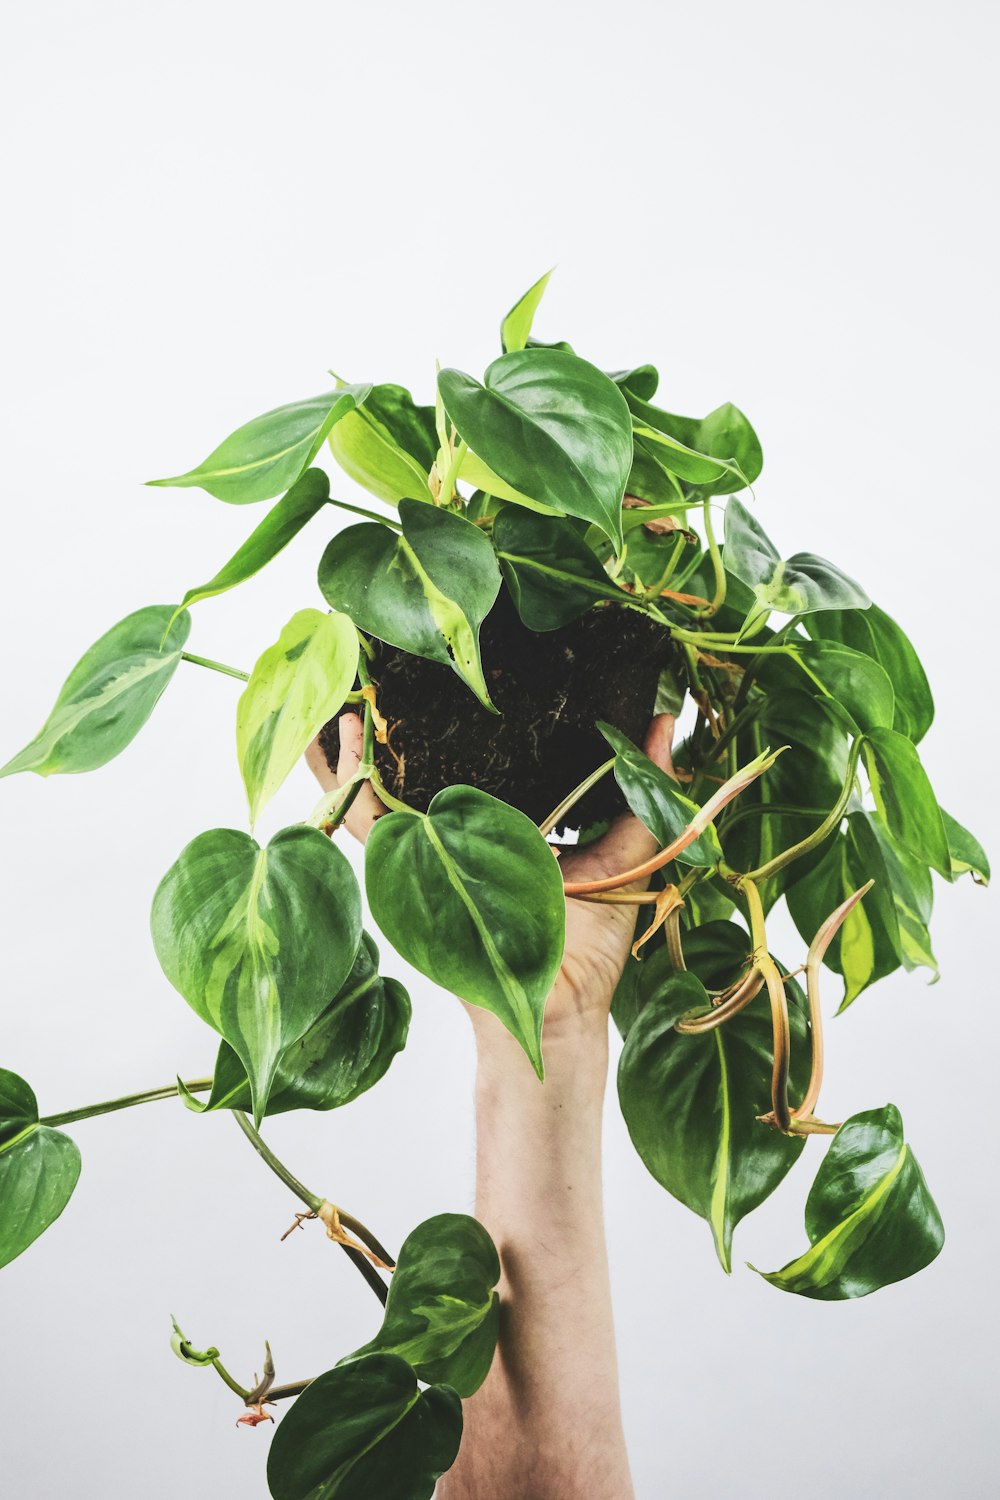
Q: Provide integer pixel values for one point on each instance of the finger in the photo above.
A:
(659, 742)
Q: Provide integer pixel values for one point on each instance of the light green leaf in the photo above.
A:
(426, 591)
(295, 687)
(109, 694)
(362, 1431)
(796, 585)
(471, 895)
(442, 1314)
(869, 1217)
(264, 457)
(184, 1351)
(552, 575)
(39, 1168)
(551, 425)
(966, 854)
(516, 326)
(905, 798)
(474, 471)
(258, 940)
(388, 444)
(657, 801)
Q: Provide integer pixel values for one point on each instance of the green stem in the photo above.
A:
(234, 1385)
(574, 797)
(718, 571)
(668, 572)
(370, 515)
(451, 472)
(699, 638)
(829, 825)
(215, 666)
(109, 1106)
(279, 1169)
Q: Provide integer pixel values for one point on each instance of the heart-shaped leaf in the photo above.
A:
(551, 425)
(552, 574)
(345, 1051)
(966, 853)
(39, 1168)
(657, 801)
(442, 1315)
(109, 694)
(388, 445)
(691, 1103)
(283, 522)
(426, 591)
(905, 798)
(873, 632)
(705, 453)
(363, 1430)
(295, 687)
(471, 895)
(795, 585)
(869, 1216)
(515, 330)
(257, 940)
(266, 456)
(851, 679)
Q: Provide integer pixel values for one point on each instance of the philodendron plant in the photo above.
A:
(555, 558)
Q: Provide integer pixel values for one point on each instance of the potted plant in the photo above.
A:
(556, 557)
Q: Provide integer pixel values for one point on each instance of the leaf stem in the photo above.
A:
(215, 666)
(574, 796)
(829, 825)
(109, 1106)
(718, 571)
(780, 1029)
(279, 1169)
(369, 515)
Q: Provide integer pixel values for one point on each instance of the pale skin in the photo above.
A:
(546, 1424)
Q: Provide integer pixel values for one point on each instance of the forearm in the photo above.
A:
(547, 1422)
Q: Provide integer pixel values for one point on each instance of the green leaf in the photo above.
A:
(551, 425)
(257, 940)
(264, 457)
(905, 798)
(426, 591)
(388, 444)
(109, 694)
(471, 895)
(552, 575)
(184, 1351)
(691, 1103)
(295, 687)
(852, 679)
(656, 800)
(516, 326)
(39, 1168)
(873, 632)
(474, 471)
(705, 453)
(640, 381)
(344, 1053)
(442, 1315)
(283, 522)
(869, 1217)
(966, 854)
(797, 585)
(912, 893)
(364, 1430)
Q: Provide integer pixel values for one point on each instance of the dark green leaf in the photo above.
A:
(552, 426)
(362, 1431)
(657, 801)
(266, 456)
(965, 852)
(282, 522)
(426, 591)
(905, 798)
(388, 445)
(39, 1168)
(109, 694)
(295, 687)
(442, 1313)
(640, 381)
(257, 940)
(797, 585)
(851, 679)
(873, 632)
(701, 453)
(471, 895)
(869, 1216)
(552, 574)
(344, 1053)
(912, 893)
(691, 1103)
(515, 330)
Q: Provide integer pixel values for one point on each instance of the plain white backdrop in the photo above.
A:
(207, 205)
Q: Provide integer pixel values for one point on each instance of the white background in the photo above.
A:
(785, 205)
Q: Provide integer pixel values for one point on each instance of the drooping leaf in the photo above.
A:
(283, 522)
(869, 1217)
(388, 444)
(471, 895)
(878, 636)
(795, 585)
(515, 329)
(912, 893)
(710, 453)
(657, 800)
(109, 694)
(344, 1053)
(691, 1103)
(850, 678)
(905, 798)
(427, 590)
(442, 1314)
(552, 574)
(186, 1352)
(295, 687)
(265, 457)
(39, 1167)
(640, 381)
(966, 853)
(364, 1430)
(551, 425)
(257, 940)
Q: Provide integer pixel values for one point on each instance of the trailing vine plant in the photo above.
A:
(556, 492)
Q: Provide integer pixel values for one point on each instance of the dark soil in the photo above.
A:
(550, 688)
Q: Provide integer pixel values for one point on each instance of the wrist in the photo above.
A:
(574, 1054)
